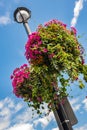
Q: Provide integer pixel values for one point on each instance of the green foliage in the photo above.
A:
(57, 59)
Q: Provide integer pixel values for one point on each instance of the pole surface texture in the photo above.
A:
(63, 117)
(26, 26)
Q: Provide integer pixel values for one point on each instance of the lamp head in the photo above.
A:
(22, 14)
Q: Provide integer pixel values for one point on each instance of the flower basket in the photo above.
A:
(56, 59)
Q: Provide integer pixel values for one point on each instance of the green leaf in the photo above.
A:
(81, 85)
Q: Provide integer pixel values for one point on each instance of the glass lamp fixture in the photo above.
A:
(21, 15)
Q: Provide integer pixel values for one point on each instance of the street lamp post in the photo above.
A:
(64, 120)
(21, 15)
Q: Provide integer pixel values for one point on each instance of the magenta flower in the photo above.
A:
(39, 99)
(74, 30)
(54, 21)
(32, 46)
(51, 55)
(45, 50)
(19, 76)
(24, 65)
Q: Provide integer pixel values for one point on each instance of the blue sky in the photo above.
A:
(14, 113)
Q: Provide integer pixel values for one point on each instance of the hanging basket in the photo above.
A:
(56, 59)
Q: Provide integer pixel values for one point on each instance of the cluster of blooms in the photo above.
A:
(74, 31)
(51, 51)
(54, 21)
(39, 41)
(18, 77)
(32, 46)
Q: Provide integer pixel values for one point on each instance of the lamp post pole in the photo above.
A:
(27, 28)
(21, 15)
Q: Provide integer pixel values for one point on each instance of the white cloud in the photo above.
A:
(4, 124)
(18, 107)
(22, 127)
(26, 116)
(45, 120)
(4, 115)
(74, 103)
(4, 20)
(7, 109)
(18, 116)
(4, 118)
(55, 128)
(9, 103)
(78, 7)
(85, 104)
(10, 109)
(76, 107)
(82, 127)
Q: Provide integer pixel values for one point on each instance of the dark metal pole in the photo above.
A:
(58, 119)
(63, 117)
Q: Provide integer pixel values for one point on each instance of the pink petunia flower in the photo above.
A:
(74, 30)
(45, 50)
